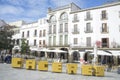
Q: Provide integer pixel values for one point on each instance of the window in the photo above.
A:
(88, 41)
(66, 39)
(75, 28)
(61, 39)
(61, 28)
(40, 33)
(54, 29)
(119, 14)
(75, 18)
(23, 34)
(44, 32)
(50, 39)
(50, 29)
(88, 25)
(88, 28)
(27, 33)
(75, 41)
(64, 16)
(104, 14)
(52, 19)
(17, 41)
(66, 27)
(43, 42)
(35, 33)
(104, 27)
(35, 42)
(119, 28)
(88, 15)
(28, 42)
(40, 43)
(54, 40)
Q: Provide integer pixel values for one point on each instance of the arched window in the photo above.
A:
(63, 16)
(52, 19)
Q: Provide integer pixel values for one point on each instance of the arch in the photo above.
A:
(76, 56)
(52, 18)
(87, 56)
(64, 16)
(64, 55)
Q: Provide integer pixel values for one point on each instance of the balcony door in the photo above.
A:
(105, 42)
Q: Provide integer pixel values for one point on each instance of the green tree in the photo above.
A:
(24, 47)
(6, 33)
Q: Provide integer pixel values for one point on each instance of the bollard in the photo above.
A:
(17, 62)
(98, 70)
(43, 65)
(31, 64)
(57, 67)
(72, 68)
(87, 70)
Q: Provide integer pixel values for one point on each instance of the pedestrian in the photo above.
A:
(109, 67)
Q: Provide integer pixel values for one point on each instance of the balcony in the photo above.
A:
(49, 32)
(88, 18)
(75, 20)
(104, 16)
(105, 31)
(75, 32)
(88, 31)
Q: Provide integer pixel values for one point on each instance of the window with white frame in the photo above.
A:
(88, 27)
(104, 14)
(66, 39)
(66, 27)
(23, 34)
(75, 17)
(50, 39)
(50, 29)
(104, 27)
(54, 40)
(40, 34)
(75, 28)
(75, 40)
(61, 40)
(27, 33)
(61, 28)
(35, 33)
(54, 28)
(44, 32)
(64, 16)
(35, 42)
(52, 18)
(119, 28)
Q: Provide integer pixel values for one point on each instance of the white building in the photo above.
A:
(73, 29)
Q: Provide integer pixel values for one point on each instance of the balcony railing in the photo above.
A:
(105, 30)
(75, 20)
(89, 31)
(104, 16)
(88, 18)
(75, 32)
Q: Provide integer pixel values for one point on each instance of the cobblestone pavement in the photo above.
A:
(9, 73)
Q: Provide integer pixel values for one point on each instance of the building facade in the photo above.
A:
(73, 29)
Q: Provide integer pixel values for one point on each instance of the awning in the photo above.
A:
(102, 53)
(57, 51)
(115, 53)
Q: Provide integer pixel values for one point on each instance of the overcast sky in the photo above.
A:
(32, 10)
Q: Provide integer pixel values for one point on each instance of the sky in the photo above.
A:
(32, 10)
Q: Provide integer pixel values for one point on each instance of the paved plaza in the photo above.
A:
(9, 73)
